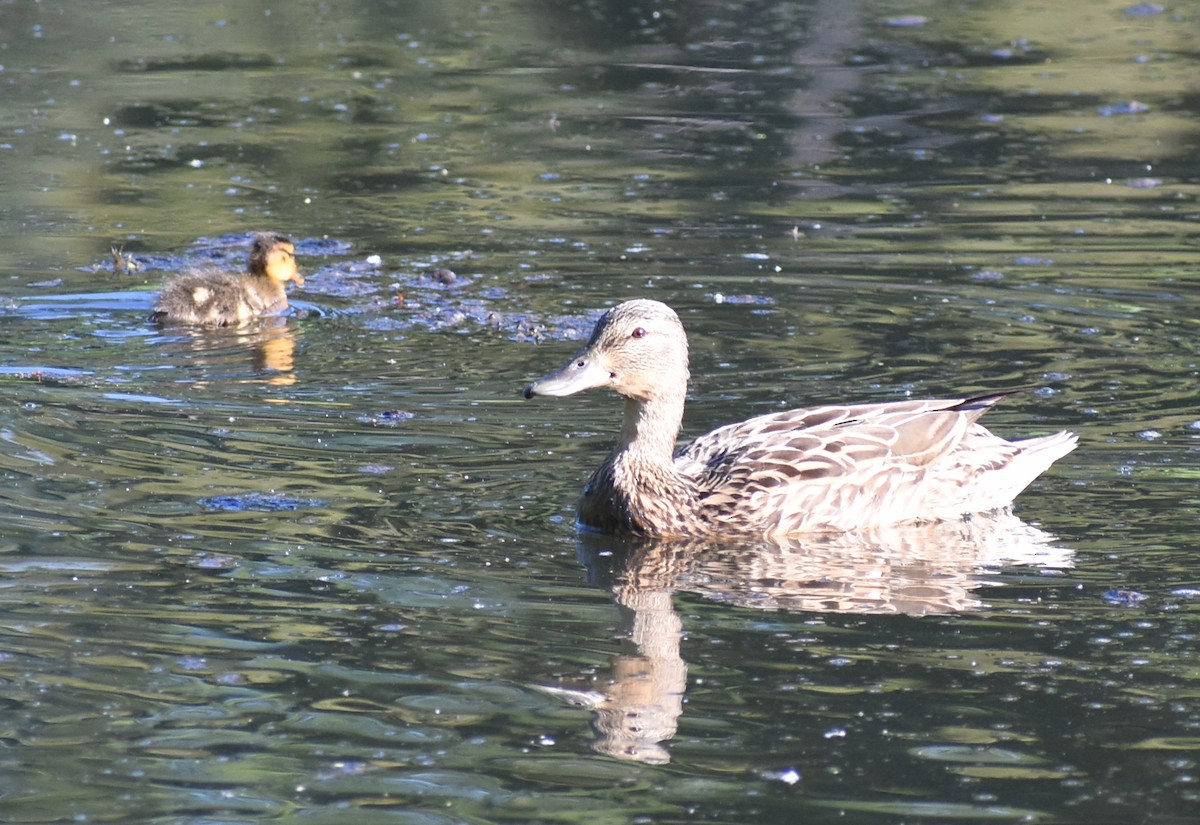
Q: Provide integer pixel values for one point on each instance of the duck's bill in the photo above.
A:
(298, 279)
(583, 373)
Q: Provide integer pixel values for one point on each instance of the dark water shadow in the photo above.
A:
(916, 570)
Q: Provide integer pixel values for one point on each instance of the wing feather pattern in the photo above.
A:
(866, 458)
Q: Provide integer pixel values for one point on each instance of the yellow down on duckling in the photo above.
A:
(219, 298)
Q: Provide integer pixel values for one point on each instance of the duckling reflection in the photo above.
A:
(274, 352)
(267, 348)
(218, 298)
(917, 570)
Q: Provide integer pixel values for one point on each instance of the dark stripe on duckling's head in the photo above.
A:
(261, 249)
(274, 256)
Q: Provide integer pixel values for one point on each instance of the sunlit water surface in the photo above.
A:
(324, 567)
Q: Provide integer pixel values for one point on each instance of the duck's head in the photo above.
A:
(638, 349)
(275, 257)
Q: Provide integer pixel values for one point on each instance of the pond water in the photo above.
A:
(324, 567)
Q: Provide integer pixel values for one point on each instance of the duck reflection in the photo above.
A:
(913, 570)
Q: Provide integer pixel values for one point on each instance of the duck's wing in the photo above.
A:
(828, 441)
(829, 460)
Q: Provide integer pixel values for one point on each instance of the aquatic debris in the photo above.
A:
(123, 264)
(376, 469)
(1124, 596)
(325, 246)
(753, 300)
(387, 418)
(788, 776)
(443, 277)
(1133, 107)
(264, 502)
(905, 21)
(212, 561)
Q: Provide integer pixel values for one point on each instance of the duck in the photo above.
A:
(219, 298)
(834, 468)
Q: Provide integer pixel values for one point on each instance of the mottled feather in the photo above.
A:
(832, 468)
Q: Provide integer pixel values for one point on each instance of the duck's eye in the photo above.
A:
(639, 332)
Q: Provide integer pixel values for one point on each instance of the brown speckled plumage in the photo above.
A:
(229, 299)
(834, 468)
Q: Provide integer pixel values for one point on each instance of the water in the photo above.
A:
(325, 568)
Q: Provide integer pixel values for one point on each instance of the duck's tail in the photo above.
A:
(1044, 450)
(1034, 456)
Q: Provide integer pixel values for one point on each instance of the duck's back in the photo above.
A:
(221, 298)
(853, 466)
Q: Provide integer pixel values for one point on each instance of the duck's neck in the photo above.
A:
(638, 488)
(650, 428)
(269, 291)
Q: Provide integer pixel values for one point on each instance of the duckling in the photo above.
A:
(826, 469)
(231, 299)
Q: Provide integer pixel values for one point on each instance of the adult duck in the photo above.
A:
(220, 298)
(832, 468)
